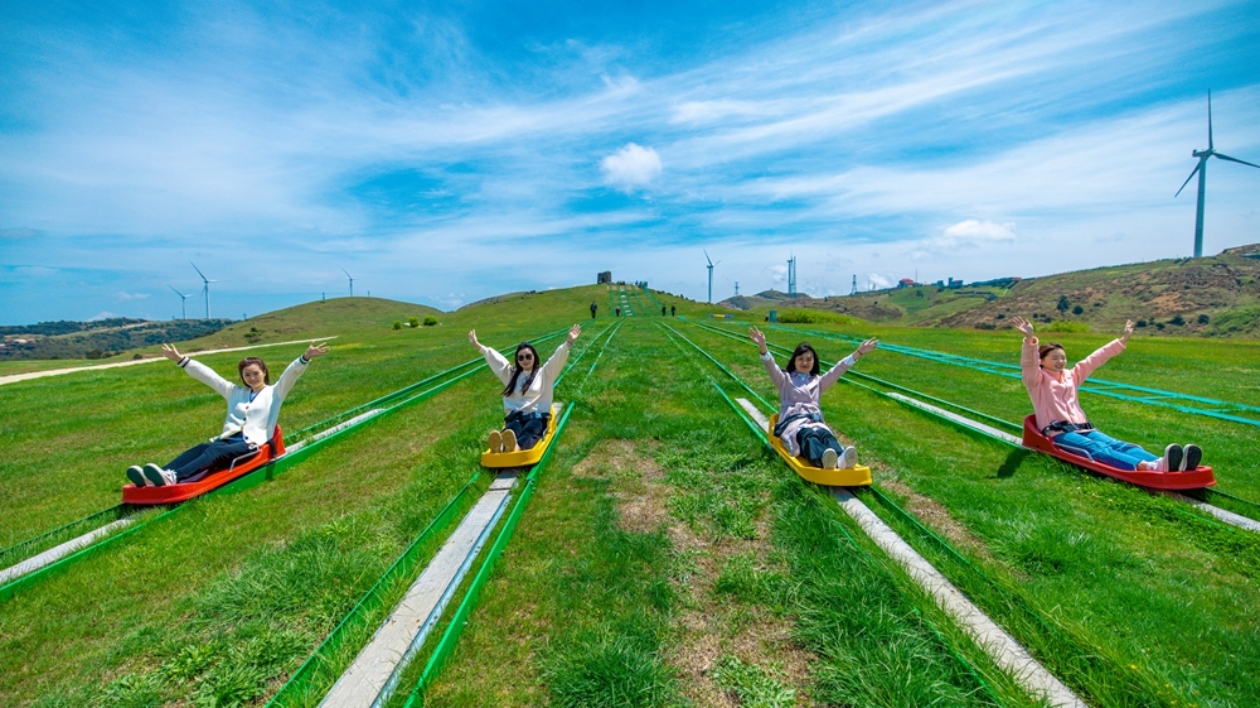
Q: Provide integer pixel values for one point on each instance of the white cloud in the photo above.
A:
(126, 296)
(103, 315)
(630, 167)
(879, 280)
(975, 233)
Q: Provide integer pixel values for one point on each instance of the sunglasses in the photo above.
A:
(524, 356)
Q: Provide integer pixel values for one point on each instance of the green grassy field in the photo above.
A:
(666, 558)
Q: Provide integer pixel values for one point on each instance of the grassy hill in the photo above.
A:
(1217, 296)
(665, 558)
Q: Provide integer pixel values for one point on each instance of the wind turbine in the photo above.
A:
(1201, 168)
(343, 270)
(710, 267)
(205, 287)
(183, 302)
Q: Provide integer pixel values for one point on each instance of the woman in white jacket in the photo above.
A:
(527, 391)
(253, 410)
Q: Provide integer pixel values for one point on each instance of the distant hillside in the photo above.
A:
(772, 298)
(1214, 296)
(98, 339)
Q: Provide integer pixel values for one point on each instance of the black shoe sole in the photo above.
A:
(1193, 457)
(1173, 453)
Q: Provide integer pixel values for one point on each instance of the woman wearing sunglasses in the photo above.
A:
(527, 391)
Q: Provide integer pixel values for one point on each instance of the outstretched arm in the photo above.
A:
(1029, 361)
(833, 375)
(297, 368)
(772, 369)
(1128, 332)
(199, 371)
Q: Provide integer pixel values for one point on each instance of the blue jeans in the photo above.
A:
(206, 456)
(529, 428)
(1104, 449)
(814, 441)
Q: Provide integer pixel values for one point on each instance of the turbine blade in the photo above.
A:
(343, 270)
(1209, 120)
(194, 265)
(706, 256)
(1192, 173)
(1234, 159)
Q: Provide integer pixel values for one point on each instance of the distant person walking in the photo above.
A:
(801, 426)
(671, 310)
(619, 312)
(1053, 389)
(594, 308)
(253, 410)
(527, 391)
(662, 310)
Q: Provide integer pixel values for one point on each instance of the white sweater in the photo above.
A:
(537, 398)
(257, 418)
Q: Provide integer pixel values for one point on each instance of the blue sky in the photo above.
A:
(445, 154)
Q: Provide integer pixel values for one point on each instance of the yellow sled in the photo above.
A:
(857, 476)
(523, 458)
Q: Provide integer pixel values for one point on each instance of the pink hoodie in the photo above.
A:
(1054, 397)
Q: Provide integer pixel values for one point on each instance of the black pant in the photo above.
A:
(814, 440)
(207, 455)
(529, 428)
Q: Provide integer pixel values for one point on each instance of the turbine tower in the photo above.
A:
(343, 270)
(183, 303)
(1201, 168)
(205, 287)
(792, 276)
(710, 266)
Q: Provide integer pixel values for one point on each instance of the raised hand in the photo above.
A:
(170, 352)
(472, 337)
(1128, 331)
(574, 331)
(758, 338)
(868, 346)
(316, 349)
(1023, 325)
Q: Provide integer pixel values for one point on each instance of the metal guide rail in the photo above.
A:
(1002, 648)
(381, 666)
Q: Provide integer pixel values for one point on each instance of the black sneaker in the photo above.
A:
(136, 476)
(1172, 458)
(1193, 457)
(157, 476)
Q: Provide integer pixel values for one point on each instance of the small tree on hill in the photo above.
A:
(1063, 304)
(413, 322)
(397, 324)
(1078, 310)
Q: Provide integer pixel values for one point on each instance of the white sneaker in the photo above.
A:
(509, 441)
(159, 477)
(849, 459)
(829, 459)
(496, 441)
(136, 476)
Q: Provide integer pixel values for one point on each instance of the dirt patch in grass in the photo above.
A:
(936, 517)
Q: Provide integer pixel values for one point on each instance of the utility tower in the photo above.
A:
(736, 288)
(854, 290)
(792, 276)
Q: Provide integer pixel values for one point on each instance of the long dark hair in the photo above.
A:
(801, 349)
(247, 361)
(516, 368)
(1047, 348)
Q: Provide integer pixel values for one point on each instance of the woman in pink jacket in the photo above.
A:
(1053, 389)
(801, 426)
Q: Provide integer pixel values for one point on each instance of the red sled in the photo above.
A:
(1197, 479)
(206, 481)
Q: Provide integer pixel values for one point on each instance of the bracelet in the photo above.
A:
(304, 360)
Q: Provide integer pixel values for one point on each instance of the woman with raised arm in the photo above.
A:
(527, 391)
(1053, 389)
(253, 410)
(801, 426)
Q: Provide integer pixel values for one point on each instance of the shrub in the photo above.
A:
(1141, 323)
(430, 321)
(1204, 319)
(1001, 316)
(1063, 304)
(397, 324)
(1159, 326)
(814, 317)
(985, 325)
(1066, 326)
(1177, 320)
(413, 322)
(1078, 310)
